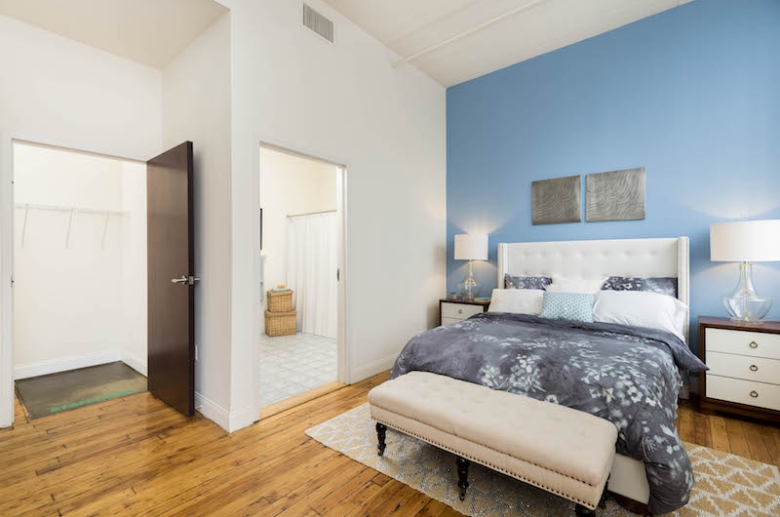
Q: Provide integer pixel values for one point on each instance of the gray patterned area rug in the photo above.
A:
(726, 485)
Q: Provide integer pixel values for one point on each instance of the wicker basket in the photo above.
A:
(281, 323)
(280, 301)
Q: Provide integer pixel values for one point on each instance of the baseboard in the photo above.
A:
(230, 422)
(5, 421)
(213, 411)
(373, 368)
(135, 363)
(243, 418)
(63, 365)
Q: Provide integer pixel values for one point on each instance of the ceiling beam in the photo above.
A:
(469, 32)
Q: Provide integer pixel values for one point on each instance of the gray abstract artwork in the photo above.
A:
(557, 200)
(615, 196)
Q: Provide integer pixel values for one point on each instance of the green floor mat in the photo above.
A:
(52, 394)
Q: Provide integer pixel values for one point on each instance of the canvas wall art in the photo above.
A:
(615, 196)
(557, 200)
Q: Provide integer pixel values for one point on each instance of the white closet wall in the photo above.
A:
(80, 271)
(133, 294)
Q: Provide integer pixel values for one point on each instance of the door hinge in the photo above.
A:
(192, 279)
(338, 275)
(12, 281)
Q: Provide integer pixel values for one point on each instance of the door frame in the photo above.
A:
(6, 276)
(7, 232)
(342, 197)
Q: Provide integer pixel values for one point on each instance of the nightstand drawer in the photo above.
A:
(449, 321)
(459, 311)
(744, 367)
(757, 344)
(743, 392)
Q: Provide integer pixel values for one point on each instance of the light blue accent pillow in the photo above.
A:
(568, 306)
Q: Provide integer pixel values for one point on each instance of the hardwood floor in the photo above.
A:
(748, 438)
(136, 456)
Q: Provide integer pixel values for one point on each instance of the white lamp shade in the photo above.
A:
(472, 246)
(745, 241)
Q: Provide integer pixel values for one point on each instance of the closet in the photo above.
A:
(79, 261)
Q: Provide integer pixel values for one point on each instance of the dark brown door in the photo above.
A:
(171, 278)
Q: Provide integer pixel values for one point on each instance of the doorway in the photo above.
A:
(302, 344)
(164, 226)
(80, 296)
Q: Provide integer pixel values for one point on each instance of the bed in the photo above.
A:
(474, 351)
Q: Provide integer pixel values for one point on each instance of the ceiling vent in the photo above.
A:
(318, 23)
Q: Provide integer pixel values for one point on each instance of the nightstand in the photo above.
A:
(744, 362)
(453, 311)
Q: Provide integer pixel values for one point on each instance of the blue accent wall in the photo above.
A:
(691, 94)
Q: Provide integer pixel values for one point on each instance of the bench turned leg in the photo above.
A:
(381, 434)
(463, 476)
(581, 511)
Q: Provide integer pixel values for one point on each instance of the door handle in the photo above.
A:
(189, 280)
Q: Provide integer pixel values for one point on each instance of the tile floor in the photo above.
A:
(290, 365)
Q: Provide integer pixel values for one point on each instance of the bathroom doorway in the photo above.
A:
(302, 272)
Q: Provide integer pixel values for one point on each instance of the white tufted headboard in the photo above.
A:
(593, 259)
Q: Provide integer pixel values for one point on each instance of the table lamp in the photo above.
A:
(471, 247)
(745, 242)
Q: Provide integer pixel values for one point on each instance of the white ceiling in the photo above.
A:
(456, 40)
(151, 32)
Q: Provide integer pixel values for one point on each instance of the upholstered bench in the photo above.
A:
(563, 451)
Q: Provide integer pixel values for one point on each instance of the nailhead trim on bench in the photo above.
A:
(500, 452)
(499, 469)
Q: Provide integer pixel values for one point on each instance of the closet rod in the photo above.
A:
(290, 216)
(55, 208)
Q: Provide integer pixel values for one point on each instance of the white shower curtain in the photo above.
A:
(311, 271)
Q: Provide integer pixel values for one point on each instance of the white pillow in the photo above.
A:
(641, 309)
(517, 301)
(576, 285)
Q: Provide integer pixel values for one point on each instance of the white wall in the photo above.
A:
(343, 102)
(133, 298)
(196, 107)
(59, 91)
(69, 285)
(289, 185)
(284, 85)
(63, 92)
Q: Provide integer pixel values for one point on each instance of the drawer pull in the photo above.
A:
(754, 394)
(460, 311)
(753, 368)
(753, 344)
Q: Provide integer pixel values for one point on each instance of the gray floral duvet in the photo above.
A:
(627, 375)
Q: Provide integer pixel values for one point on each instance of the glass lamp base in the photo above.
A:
(743, 304)
(470, 291)
(469, 288)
